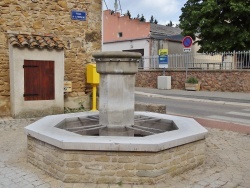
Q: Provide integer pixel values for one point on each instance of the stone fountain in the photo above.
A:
(115, 144)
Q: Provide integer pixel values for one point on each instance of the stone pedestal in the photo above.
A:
(116, 91)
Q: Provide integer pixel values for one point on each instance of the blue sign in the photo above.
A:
(78, 15)
(187, 42)
(163, 59)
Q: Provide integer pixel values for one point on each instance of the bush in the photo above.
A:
(192, 80)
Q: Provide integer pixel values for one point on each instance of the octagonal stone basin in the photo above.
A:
(142, 126)
(148, 159)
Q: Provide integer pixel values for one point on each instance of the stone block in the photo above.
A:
(150, 107)
(73, 164)
(125, 173)
(102, 159)
(106, 180)
(97, 167)
(126, 160)
(117, 166)
(144, 167)
(151, 173)
(73, 178)
(62, 4)
(71, 171)
(129, 167)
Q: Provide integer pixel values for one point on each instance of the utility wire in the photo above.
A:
(120, 7)
(106, 4)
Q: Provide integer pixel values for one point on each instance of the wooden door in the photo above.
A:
(39, 81)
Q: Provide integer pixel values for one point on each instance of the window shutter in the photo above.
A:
(38, 80)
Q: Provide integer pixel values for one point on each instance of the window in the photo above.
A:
(38, 80)
(119, 34)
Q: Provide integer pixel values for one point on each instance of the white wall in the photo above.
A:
(22, 108)
(130, 45)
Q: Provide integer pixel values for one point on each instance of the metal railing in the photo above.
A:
(203, 61)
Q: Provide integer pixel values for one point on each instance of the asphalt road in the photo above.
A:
(224, 112)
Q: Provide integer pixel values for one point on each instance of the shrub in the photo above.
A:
(192, 80)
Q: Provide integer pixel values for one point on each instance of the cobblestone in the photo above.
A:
(227, 163)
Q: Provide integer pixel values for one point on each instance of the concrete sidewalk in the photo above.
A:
(234, 98)
(227, 163)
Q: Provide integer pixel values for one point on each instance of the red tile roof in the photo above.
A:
(35, 41)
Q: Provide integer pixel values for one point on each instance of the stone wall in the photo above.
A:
(158, 108)
(52, 17)
(211, 80)
(115, 167)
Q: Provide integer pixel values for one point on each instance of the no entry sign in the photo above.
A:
(187, 42)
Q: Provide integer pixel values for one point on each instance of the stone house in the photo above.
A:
(42, 45)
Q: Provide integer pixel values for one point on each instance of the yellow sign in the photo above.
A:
(67, 86)
(163, 52)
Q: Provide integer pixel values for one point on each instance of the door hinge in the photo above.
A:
(25, 66)
(29, 94)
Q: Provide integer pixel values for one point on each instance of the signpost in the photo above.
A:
(187, 43)
(186, 50)
(163, 82)
(163, 58)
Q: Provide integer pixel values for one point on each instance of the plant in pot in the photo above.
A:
(192, 84)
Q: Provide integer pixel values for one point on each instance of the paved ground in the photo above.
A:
(239, 98)
(227, 163)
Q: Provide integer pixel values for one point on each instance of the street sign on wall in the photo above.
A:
(78, 15)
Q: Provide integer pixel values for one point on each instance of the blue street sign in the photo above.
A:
(163, 59)
(78, 15)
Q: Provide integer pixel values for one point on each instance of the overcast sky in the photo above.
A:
(162, 10)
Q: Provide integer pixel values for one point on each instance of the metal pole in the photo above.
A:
(94, 98)
(186, 65)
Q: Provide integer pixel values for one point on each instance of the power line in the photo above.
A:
(106, 4)
(120, 7)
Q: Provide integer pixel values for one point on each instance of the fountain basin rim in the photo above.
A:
(44, 129)
(116, 54)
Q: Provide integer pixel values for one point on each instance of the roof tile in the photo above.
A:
(35, 41)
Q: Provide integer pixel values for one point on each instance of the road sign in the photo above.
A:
(163, 52)
(186, 50)
(187, 42)
(163, 61)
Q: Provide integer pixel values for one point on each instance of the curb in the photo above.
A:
(191, 99)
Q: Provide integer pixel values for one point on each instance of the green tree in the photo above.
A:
(170, 24)
(142, 19)
(128, 14)
(151, 19)
(218, 25)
